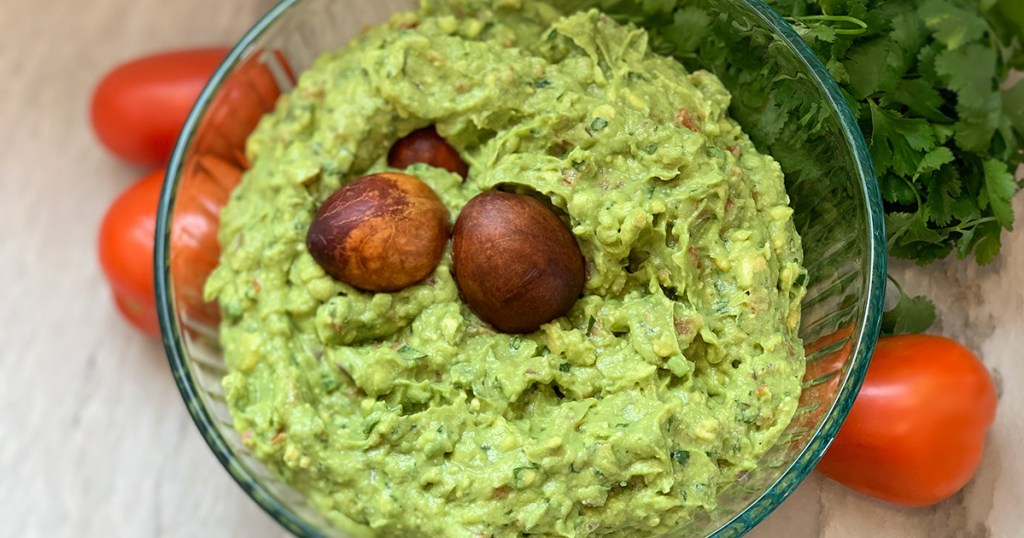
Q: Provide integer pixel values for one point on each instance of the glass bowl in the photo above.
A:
(829, 176)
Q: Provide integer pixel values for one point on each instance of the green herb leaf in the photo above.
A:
(934, 159)
(952, 25)
(370, 424)
(821, 32)
(1012, 15)
(987, 243)
(909, 34)
(920, 97)
(689, 26)
(926, 79)
(943, 191)
(910, 315)
(1013, 104)
(869, 68)
(897, 142)
(681, 457)
(410, 353)
(1000, 187)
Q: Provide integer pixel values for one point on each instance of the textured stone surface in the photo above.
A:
(96, 439)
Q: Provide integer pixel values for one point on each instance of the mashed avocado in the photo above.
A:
(677, 369)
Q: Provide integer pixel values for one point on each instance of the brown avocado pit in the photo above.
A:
(516, 264)
(382, 232)
(426, 146)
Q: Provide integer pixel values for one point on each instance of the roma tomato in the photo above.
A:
(917, 429)
(128, 232)
(214, 168)
(208, 177)
(126, 251)
(138, 109)
(244, 97)
(206, 184)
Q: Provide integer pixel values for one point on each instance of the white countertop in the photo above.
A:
(96, 441)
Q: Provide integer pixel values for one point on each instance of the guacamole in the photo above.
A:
(402, 412)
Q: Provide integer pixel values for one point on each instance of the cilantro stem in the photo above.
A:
(858, 26)
(894, 235)
(895, 283)
(917, 195)
(969, 224)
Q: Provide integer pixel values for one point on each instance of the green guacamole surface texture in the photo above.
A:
(403, 413)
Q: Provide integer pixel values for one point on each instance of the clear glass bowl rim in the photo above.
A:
(861, 348)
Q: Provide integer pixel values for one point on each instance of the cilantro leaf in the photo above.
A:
(971, 72)
(974, 133)
(659, 6)
(965, 243)
(910, 315)
(909, 35)
(410, 353)
(1013, 104)
(934, 159)
(897, 142)
(1012, 14)
(943, 191)
(920, 97)
(999, 188)
(821, 32)
(919, 232)
(926, 63)
(926, 80)
(911, 237)
(966, 209)
(987, 243)
(690, 27)
(952, 25)
(869, 69)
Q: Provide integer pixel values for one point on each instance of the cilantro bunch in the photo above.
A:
(927, 82)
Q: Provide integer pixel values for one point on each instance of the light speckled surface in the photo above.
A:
(97, 441)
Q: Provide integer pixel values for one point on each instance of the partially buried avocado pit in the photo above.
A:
(516, 264)
(381, 232)
(426, 146)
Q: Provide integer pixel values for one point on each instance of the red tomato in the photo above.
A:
(244, 97)
(826, 356)
(138, 109)
(126, 251)
(916, 432)
(208, 177)
(215, 167)
(128, 232)
(206, 184)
